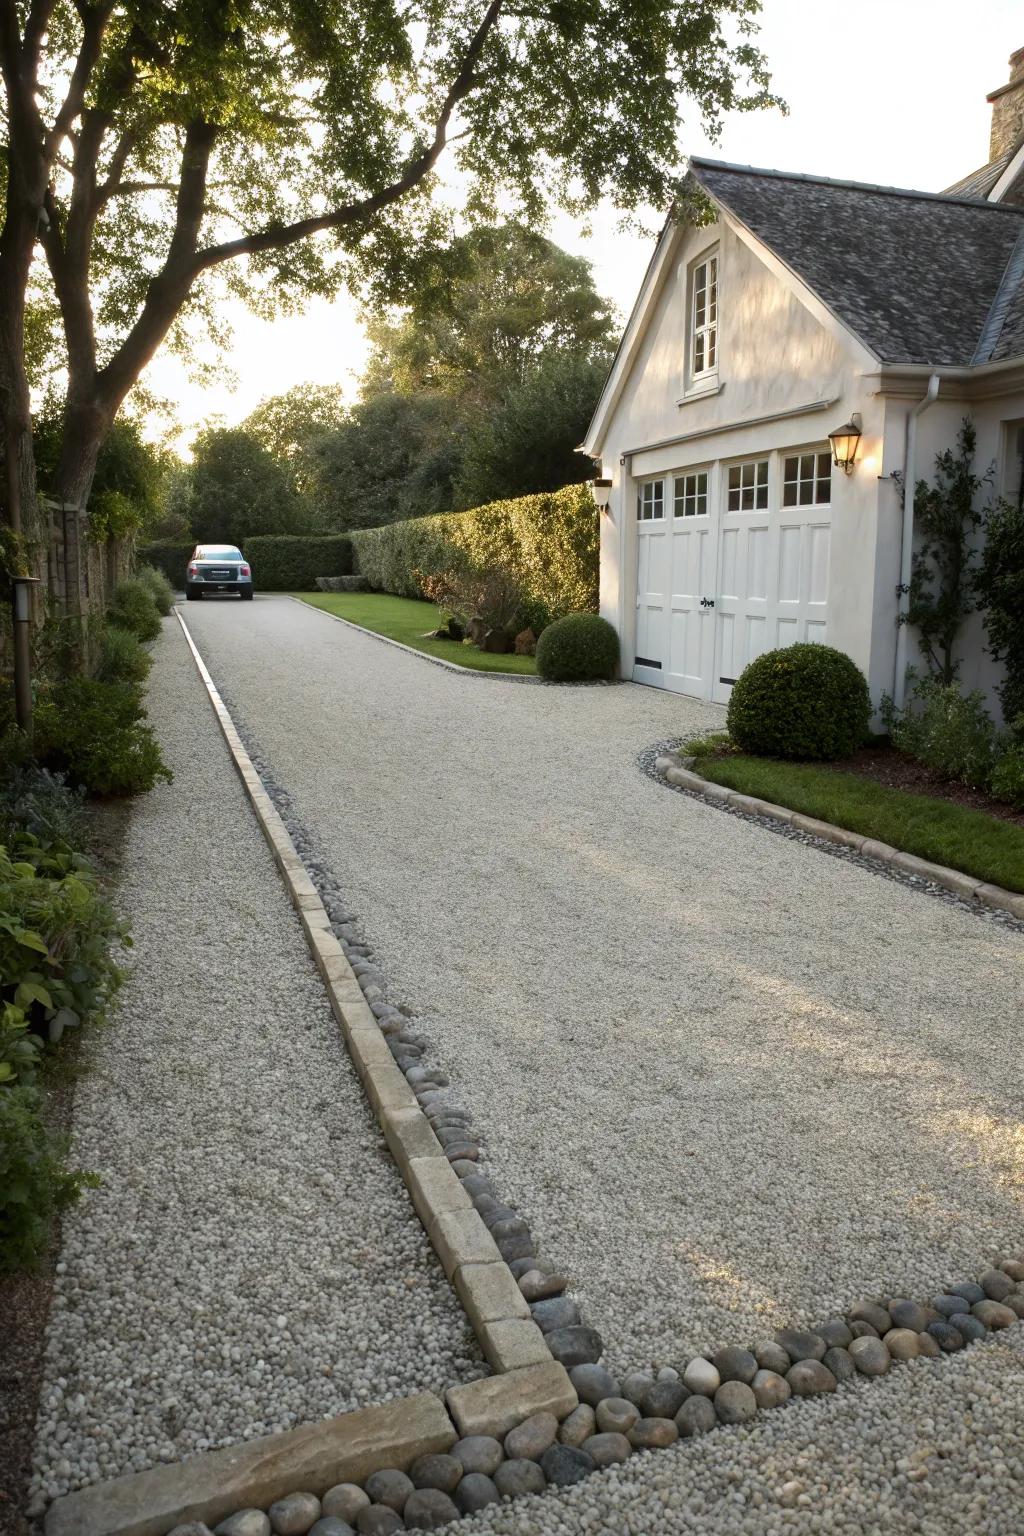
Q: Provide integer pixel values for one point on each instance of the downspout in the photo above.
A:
(899, 679)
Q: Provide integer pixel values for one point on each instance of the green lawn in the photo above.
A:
(410, 621)
(964, 839)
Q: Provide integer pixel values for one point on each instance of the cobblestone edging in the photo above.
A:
(664, 764)
(541, 1423)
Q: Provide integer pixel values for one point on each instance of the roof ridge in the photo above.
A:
(996, 317)
(700, 161)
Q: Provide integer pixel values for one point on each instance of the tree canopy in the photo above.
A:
(167, 154)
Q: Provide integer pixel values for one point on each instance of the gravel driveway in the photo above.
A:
(733, 1082)
(252, 1259)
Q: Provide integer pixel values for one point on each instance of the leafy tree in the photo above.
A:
(395, 457)
(167, 152)
(529, 444)
(286, 424)
(129, 485)
(239, 489)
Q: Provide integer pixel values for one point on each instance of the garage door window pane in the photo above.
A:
(691, 494)
(650, 504)
(748, 487)
(807, 480)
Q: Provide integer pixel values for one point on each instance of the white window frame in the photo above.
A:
(687, 492)
(703, 307)
(754, 477)
(650, 501)
(819, 474)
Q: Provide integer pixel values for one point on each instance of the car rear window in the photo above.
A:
(217, 552)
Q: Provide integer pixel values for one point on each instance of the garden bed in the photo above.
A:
(896, 770)
(409, 621)
(946, 829)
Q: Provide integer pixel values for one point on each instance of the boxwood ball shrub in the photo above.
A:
(159, 586)
(582, 647)
(804, 701)
(122, 657)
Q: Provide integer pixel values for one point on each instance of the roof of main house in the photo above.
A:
(919, 277)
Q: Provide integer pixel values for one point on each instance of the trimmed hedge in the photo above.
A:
(549, 543)
(281, 562)
(284, 562)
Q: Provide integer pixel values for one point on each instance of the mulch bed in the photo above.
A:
(898, 771)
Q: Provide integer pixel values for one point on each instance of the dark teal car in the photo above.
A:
(218, 568)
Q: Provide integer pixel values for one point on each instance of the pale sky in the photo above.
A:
(889, 91)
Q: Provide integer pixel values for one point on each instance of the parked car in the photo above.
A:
(218, 568)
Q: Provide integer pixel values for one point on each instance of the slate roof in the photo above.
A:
(914, 274)
(980, 182)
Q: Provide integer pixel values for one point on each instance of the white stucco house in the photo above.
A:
(805, 303)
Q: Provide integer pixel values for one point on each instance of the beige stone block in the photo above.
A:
(684, 779)
(408, 1133)
(941, 874)
(512, 1343)
(996, 896)
(755, 807)
(435, 1188)
(212, 1486)
(827, 831)
(498, 1403)
(872, 849)
(489, 1292)
(459, 1237)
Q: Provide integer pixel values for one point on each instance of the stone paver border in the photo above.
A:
(672, 769)
(482, 1280)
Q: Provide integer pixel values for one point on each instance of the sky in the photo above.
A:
(889, 91)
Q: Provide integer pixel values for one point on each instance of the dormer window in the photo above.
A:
(704, 319)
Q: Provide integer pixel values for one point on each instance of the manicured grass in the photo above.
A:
(408, 620)
(964, 839)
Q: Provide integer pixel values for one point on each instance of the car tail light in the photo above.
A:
(193, 570)
(245, 570)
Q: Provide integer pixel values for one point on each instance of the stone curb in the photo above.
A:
(410, 650)
(457, 1231)
(967, 886)
(212, 1486)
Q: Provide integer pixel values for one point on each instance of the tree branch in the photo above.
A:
(277, 237)
(94, 25)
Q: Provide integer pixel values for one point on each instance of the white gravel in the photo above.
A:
(252, 1259)
(734, 1083)
(935, 1448)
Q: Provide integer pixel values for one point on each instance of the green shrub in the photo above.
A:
(804, 701)
(122, 657)
(548, 543)
(93, 732)
(170, 558)
(159, 586)
(579, 648)
(133, 607)
(950, 732)
(1007, 779)
(37, 804)
(1000, 585)
(35, 1182)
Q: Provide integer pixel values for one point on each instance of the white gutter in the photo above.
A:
(899, 680)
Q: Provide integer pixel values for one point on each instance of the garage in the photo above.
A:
(732, 561)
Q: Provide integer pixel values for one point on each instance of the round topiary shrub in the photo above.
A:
(579, 648)
(805, 701)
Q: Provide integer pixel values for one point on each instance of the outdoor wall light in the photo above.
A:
(601, 490)
(844, 442)
(21, 603)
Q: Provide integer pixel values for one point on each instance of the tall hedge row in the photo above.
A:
(280, 562)
(549, 543)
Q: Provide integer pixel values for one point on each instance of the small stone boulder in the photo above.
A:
(574, 1346)
(345, 1500)
(809, 1377)
(870, 1356)
(526, 643)
(479, 1453)
(735, 1402)
(593, 1383)
(564, 1465)
(428, 1510)
(514, 1478)
(770, 1389)
(696, 1417)
(579, 1426)
(734, 1364)
(295, 1514)
(529, 1440)
(653, 1434)
(701, 1377)
(475, 1492)
(608, 1449)
(993, 1314)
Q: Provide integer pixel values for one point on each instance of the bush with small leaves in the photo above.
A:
(951, 732)
(35, 1182)
(804, 701)
(133, 607)
(95, 734)
(582, 647)
(122, 657)
(159, 586)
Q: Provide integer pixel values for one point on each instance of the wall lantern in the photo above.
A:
(601, 491)
(844, 442)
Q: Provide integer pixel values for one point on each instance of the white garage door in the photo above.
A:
(732, 561)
